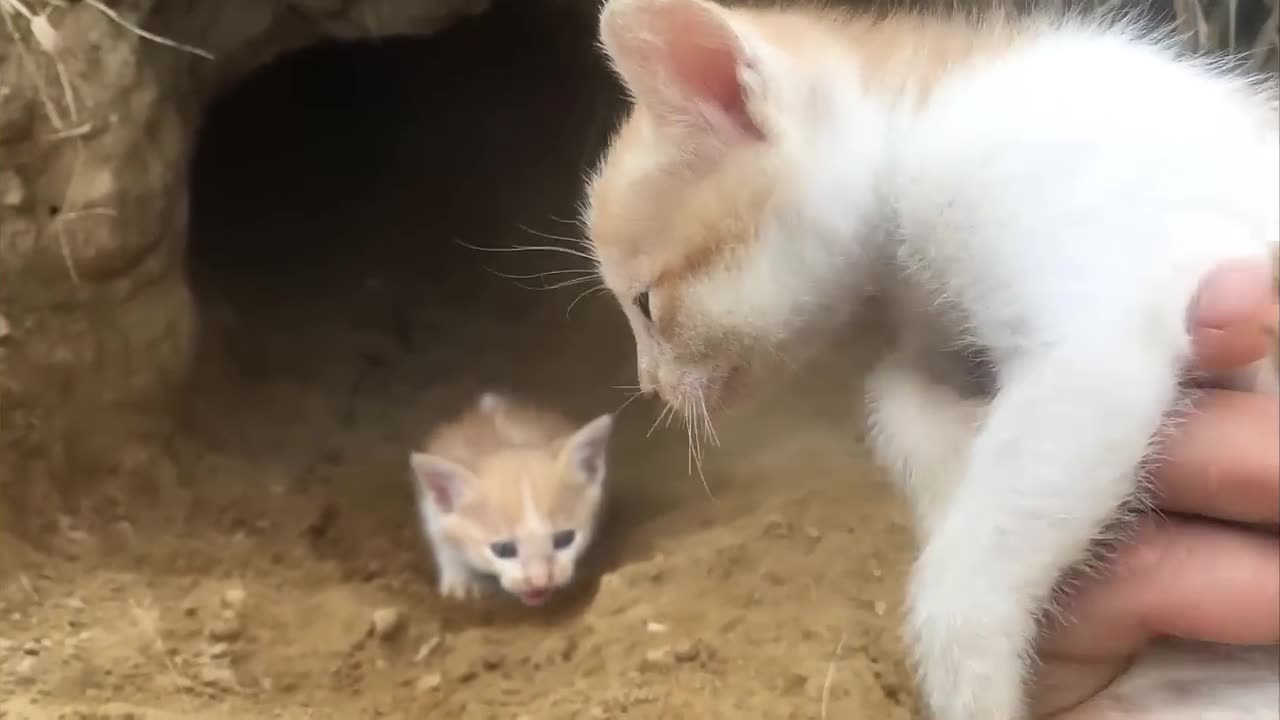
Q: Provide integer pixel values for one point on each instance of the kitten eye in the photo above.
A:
(504, 550)
(642, 302)
(563, 539)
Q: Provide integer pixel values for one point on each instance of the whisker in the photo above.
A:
(575, 222)
(545, 273)
(527, 248)
(666, 408)
(585, 294)
(706, 419)
(631, 398)
(561, 238)
(695, 448)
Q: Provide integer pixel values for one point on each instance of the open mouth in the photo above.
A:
(534, 597)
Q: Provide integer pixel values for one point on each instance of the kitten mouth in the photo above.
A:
(534, 598)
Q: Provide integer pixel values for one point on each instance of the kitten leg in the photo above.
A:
(920, 430)
(454, 577)
(1055, 459)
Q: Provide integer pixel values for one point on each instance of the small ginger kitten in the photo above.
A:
(1036, 199)
(511, 491)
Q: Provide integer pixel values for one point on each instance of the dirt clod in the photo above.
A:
(386, 623)
(686, 651)
(233, 599)
(227, 628)
(427, 683)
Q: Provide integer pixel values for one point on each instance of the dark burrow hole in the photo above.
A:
(334, 193)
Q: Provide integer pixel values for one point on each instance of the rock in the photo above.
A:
(655, 628)
(492, 662)
(26, 668)
(386, 622)
(686, 651)
(13, 193)
(778, 527)
(659, 656)
(233, 599)
(880, 607)
(427, 683)
(31, 647)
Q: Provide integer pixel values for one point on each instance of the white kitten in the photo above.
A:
(512, 491)
(1038, 199)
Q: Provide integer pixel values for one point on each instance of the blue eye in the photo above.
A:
(563, 539)
(504, 550)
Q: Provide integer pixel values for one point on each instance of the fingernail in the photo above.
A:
(1230, 295)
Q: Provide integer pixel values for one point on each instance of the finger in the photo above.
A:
(1182, 578)
(1231, 314)
(1236, 345)
(1224, 461)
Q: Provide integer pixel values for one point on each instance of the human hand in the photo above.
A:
(1198, 573)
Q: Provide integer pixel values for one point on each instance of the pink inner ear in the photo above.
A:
(711, 74)
(439, 480)
(682, 59)
(441, 490)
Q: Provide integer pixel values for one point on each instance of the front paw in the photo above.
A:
(970, 650)
(460, 586)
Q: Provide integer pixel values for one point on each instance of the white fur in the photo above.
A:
(1041, 200)
(1057, 207)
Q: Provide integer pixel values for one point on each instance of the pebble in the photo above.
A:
(219, 650)
(659, 656)
(655, 628)
(686, 651)
(425, 650)
(777, 526)
(427, 683)
(26, 667)
(491, 662)
(31, 647)
(5, 328)
(880, 607)
(233, 599)
(386, 622)
(13, 193)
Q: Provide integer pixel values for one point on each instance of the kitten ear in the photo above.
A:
(684, 61)
(444, 481)
(588, 448)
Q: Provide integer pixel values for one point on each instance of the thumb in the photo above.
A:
(1233, 318)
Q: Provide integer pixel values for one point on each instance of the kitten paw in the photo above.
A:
(460, 587)
(491, 401)
(970, 649)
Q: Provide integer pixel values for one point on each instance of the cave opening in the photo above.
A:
(338, 198)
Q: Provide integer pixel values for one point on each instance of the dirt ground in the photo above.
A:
(341, 319)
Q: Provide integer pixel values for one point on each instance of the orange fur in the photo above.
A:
(502, 447)
(666, 216)
(511, 491)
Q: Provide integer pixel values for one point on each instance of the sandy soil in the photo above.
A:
(341, 320)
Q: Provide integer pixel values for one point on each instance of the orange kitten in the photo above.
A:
(511, 491)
